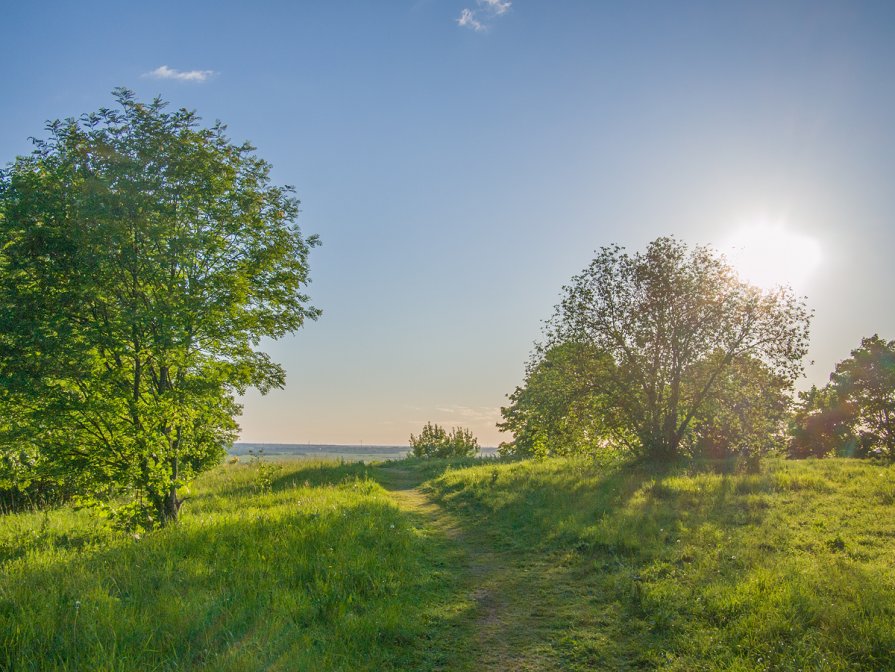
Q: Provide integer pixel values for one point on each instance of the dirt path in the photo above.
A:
(501, 589)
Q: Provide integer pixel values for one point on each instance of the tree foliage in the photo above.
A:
(434, 441)
(142, 259)
(744, 416)
(866, 383)
(561, 408)
(821, 425)
(679, 327)
(855, 413)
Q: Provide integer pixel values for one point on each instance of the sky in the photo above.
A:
(462, 160)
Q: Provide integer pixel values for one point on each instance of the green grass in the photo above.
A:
(680, 568)
(323, 572)
(554, 565)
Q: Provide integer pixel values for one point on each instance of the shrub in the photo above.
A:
(434, 441)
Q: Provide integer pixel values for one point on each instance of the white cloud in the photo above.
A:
(164, 72)
(467, 20)
(497, 6)
(470, 18)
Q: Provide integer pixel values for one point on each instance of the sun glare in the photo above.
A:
(768, 255)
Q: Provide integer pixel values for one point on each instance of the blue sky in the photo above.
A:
(459, 176)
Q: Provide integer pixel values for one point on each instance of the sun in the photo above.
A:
(766, 254)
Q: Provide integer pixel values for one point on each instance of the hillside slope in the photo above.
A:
(680, 568)
(415, 565)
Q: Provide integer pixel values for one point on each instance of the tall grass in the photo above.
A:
(314, 569)
(311, 566)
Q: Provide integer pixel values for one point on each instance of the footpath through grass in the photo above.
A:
(430, 565)
(321, 572)
(621, 567)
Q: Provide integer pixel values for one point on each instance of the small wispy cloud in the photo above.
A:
(474, 19)
(164, 72)
(497, 6)
(467, 20)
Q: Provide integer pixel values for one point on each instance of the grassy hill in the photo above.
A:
(683, 569)
(321, 572)
(410, 565)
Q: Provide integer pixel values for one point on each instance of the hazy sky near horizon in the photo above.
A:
(461, 160)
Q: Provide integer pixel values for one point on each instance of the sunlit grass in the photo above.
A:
(611, 565)
(320, 572)
(681, 568)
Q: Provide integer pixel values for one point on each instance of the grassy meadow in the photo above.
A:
(436, 565)
(299, 566)
(683, 568)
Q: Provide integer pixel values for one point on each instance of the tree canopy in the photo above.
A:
(745, 413)
(866, 383)
(680, 328)
(855, 413)
(142, 259)
(821, 425)
(561, 408)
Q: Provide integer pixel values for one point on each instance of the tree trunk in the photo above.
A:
(172, 504)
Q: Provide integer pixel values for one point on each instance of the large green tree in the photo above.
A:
(143, 257)
(675, 322)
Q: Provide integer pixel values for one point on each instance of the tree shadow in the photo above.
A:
(411, 473)
(637, 566)
(307, 587)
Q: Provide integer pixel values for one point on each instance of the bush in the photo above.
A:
(434, 441)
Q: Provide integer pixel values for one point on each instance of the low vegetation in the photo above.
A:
(684, 568)
(563, 564)
(315, 569)
(435, 441)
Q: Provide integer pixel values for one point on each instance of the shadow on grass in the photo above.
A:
(580, 547)
(412, 472)
(541, 504)
(679, 566)
(254, 477)
(335, 586)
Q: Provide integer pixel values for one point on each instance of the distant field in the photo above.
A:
(469, 565)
